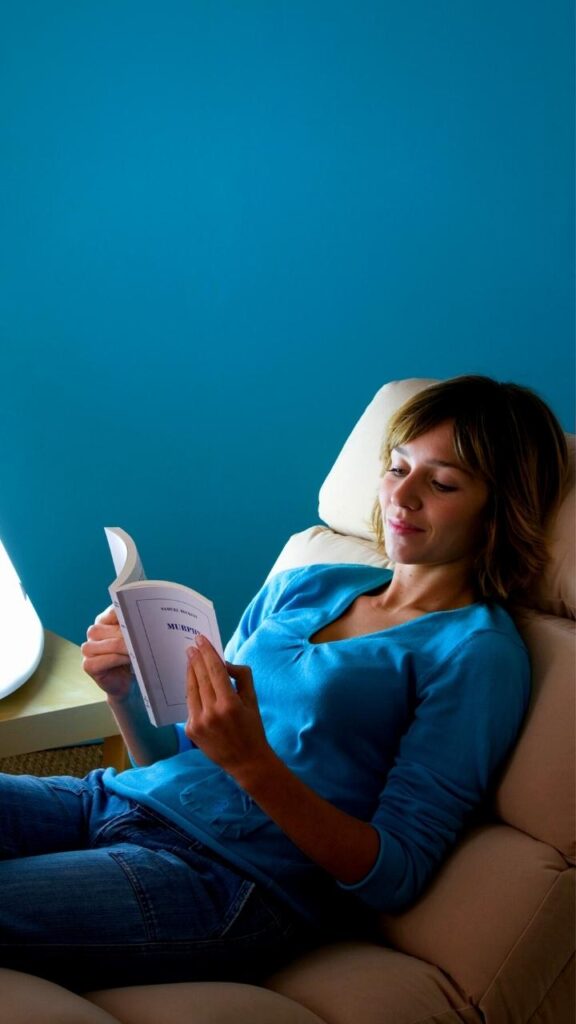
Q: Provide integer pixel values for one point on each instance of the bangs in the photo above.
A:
(471, 443)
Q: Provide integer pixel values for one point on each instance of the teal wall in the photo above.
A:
(224, 224)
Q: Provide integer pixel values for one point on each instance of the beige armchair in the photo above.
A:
(492, 939)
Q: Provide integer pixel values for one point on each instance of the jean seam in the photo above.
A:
(241, 899)
(146, 910)
(100, 835)
(158, 819)
(187, 841)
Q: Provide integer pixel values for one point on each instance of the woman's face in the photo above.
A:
(433, 509)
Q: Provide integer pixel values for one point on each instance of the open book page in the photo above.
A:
(127, 564)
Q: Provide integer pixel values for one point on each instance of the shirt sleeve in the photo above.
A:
(183, 742)
(468, 714)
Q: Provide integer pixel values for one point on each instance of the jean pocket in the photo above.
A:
(221, 805)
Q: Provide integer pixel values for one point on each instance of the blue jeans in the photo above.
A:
(96, 891)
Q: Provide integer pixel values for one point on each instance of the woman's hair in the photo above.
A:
(506, 435)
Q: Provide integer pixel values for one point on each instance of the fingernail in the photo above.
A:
(200, 640)
(190, 653)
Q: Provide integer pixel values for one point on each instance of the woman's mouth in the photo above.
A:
(400, 526)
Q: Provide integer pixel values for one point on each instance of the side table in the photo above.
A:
(59, 706)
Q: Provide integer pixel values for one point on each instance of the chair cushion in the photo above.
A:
(29, 1000)
(363, 983)
(501, 901)
(537, 791)
(201, 1002)
(319, 545)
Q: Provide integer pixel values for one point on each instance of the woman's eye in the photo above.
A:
(396, 470)
(444, 488)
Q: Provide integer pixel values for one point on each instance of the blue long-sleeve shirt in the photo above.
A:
(404, 728)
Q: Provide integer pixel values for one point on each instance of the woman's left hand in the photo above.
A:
(223, 721)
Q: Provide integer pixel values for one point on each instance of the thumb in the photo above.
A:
(242, 676)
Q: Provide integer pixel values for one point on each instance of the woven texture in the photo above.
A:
(67, 761)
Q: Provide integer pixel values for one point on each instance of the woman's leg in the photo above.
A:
(144, 904)
(46, 815)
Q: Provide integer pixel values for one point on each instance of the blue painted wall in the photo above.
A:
(224, 225)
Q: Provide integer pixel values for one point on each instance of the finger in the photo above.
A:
(107, 645)
(192, 693)
(105, 650)
(199, 678)
(242, 676)
(108, 617)
(100, 665)
(99, 632)
(214, 667)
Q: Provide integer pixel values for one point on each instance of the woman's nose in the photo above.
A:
(405, 494)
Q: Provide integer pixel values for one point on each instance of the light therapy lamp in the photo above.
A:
(21, 633)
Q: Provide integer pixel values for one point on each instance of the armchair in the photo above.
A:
(492, 938)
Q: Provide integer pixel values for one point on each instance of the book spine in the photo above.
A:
(132, 655)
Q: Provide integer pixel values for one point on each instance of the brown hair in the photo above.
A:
(507, 435)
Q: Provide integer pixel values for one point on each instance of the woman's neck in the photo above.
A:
(427, 588)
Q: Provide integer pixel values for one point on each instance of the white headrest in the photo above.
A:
(348, 493)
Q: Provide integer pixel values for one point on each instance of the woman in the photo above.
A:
(329, 766)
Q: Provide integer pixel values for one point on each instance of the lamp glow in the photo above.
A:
(21, 633)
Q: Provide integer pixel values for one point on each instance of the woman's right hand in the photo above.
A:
(105, 656)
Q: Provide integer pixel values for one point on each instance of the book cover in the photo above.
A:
(159, 620)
